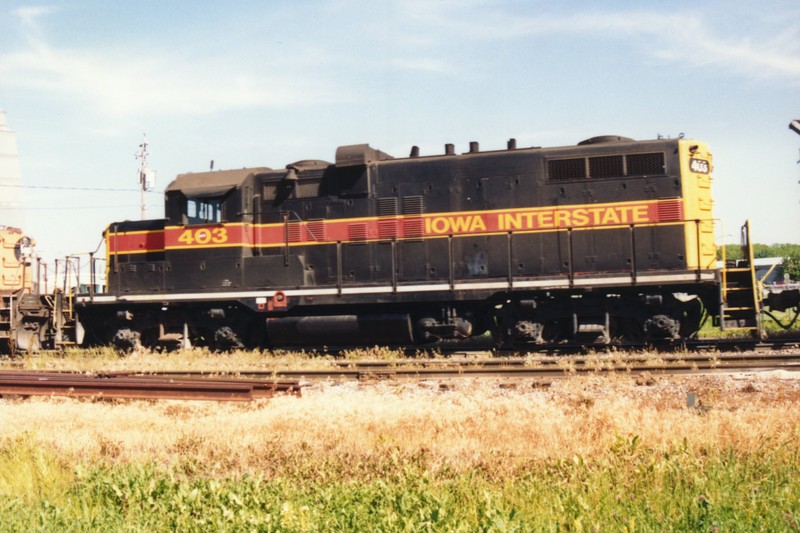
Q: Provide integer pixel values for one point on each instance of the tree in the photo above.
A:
(791, 265)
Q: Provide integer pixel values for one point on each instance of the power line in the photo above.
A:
(73, 188)
(4, 208)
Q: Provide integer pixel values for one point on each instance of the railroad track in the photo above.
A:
(141, 386)
(528, 367)
(247, 385)
(665, 346)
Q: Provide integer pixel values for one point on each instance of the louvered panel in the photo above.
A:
(317, 230)
(670, 210)
(413, 227)
(387, 207)
(387, 229)
(357, 231)
(294, 232)
(412, 205)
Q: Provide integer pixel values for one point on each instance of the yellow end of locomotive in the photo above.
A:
(15, 267)
(696, 163)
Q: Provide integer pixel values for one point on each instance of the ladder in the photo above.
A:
(739, 295)
(64, 319)
(62, 302)
(6, 324)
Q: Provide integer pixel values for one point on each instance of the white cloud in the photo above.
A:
(126, 82)
(129, 82)
(29, 15)
(425, 64)
(692, 40)
(776, 57)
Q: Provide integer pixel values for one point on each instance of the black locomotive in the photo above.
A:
(608, 239)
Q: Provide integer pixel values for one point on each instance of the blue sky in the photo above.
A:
(250, 83)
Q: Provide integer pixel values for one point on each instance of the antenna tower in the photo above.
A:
(146, 175)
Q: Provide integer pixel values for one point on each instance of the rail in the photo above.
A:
(142, 386)
(248, 385)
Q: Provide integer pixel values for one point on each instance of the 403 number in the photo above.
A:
(699, 166)
(204, 236)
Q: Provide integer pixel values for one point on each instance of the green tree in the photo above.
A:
(791, 265)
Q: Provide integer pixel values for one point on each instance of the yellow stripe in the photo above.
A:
(464, 236)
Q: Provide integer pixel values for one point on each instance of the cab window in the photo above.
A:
(204, 210)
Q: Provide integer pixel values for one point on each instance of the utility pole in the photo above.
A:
(146, 175)
(795, 127)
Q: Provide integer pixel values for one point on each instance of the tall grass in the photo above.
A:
(630, 488)
(585, 454)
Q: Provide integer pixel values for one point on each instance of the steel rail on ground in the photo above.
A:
(245, 385)
(141, 386)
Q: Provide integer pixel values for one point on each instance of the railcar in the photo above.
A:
(608, 239)
(30, 318)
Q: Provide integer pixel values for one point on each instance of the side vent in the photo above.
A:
(270, 191)
(387, 229)
(645, 164)
(357, 231)
(606, 166)
(294, 232)
(308, 188)
(317, 230)
(413, 224)
(387, 207)
(566, 169)
(670, 210)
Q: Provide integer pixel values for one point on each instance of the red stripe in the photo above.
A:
(399, 227)
(139, 242)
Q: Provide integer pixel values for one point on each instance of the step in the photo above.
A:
(737, 269)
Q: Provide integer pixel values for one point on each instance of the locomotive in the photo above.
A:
(30, 318)
(608, 239)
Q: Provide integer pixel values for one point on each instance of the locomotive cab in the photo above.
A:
(210, 197)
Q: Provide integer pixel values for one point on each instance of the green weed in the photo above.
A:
(629, 488)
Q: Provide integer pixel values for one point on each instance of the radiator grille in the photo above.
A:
(270, 191)
(566, 169)
(607, 166)
(308, 188)
(645, 164)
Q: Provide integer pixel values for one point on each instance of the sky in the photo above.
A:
(252, 83)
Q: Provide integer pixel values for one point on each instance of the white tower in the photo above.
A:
(11, 213)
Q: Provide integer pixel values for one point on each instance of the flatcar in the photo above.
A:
(608, 239)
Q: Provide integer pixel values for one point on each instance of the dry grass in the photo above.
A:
(461, 426)
(195, 359)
